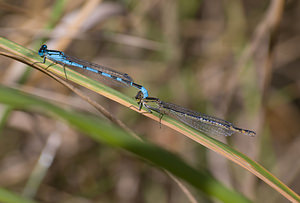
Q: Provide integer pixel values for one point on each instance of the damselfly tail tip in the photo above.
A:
(245, 132)
(249, 132)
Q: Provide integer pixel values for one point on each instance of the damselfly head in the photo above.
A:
(42, 50)
(139, 96)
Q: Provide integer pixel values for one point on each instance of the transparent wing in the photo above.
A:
(202, 126)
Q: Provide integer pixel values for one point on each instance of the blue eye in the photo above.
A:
(42, 50)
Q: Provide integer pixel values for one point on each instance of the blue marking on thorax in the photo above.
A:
(55, 53)
(56, 57)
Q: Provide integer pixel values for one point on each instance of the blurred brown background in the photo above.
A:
(238, 60)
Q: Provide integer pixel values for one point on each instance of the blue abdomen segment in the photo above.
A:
(144, 91)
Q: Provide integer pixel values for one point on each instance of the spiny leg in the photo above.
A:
(44, 61)
(148, 110)
(65, 72)
(161, 115)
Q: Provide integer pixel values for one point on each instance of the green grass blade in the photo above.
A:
(9, 197)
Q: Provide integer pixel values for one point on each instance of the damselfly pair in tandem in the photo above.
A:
(199, 121)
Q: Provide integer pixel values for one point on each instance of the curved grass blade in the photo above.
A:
(202, 139)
